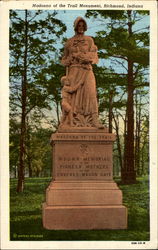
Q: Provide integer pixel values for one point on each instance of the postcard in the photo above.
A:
(78, 122)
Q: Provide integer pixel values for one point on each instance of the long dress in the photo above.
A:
(80, 53)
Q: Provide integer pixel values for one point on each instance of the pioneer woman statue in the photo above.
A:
(80, 53)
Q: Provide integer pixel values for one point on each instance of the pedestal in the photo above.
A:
(82, 193)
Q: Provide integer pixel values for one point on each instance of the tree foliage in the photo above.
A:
(32, 38)
(125, 44)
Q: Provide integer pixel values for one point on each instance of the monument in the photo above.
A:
(82, 193)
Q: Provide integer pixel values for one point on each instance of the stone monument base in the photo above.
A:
(82, 194)
(84, 217)
(84, 205)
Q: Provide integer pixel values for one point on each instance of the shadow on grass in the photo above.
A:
(32, 185)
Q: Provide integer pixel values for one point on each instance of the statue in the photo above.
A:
(79, 104)
(67, 90)
(82, 194)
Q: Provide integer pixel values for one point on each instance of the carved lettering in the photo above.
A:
(70, 166)
(68, 174)
(89, 174)
(105, 174)
(97, 166)
(104, 158)
(83, 137)
(76, 174)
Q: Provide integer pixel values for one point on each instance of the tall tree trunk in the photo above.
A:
(28, 146)
(142, 160)
(20, 185)
(57, 111)
(128, 171)
(118, 140)
(137, 133)
(110, 111)
(15, 172)
(144, 154)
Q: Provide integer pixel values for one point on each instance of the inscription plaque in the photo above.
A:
(82, 162)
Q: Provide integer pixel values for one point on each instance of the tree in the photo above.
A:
(141, 129)
(14, 135)
(144, 152)
(32, 38)
(38, 153)
(127, 47)
(50, 78)
(109, 86)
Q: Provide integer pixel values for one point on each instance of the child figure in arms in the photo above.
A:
(67, 90)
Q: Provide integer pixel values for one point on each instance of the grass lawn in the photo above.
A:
(26, 215)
